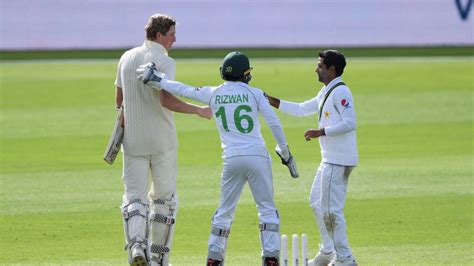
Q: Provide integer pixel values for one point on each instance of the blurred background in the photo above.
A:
(116, 24)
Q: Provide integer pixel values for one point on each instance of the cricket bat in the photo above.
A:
(115, 140)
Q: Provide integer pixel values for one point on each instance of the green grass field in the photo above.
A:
(410, 200)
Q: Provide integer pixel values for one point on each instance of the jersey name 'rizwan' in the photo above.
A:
(237, 98)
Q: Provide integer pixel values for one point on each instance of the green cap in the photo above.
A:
(235, 66)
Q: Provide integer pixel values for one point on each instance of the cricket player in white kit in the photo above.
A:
(337, 137)
(236, 107)
(150, 147)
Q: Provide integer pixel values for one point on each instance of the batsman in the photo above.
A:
(236, 107)
(150, 203)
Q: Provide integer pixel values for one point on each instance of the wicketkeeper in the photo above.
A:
(236, 107)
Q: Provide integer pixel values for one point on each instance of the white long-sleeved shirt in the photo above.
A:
(149, 127)
(236, 107)
(338, 118)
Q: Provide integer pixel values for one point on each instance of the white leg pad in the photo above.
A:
(135, 222)
(162, 218)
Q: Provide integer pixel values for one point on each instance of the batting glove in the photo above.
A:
(148, 74)
(287, 159)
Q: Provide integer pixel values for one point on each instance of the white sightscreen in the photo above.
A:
(65, 24)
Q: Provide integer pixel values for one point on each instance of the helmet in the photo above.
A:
(236, 67)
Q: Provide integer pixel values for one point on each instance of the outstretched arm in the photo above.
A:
(176, 105)
(149, 75)
(275, 102)
(306, 108)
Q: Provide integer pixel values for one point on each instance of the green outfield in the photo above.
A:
(410, 200)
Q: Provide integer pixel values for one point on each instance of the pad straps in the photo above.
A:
(160, 218)
(327, 96)
(269, 227)
(159, 249)
(220, 231)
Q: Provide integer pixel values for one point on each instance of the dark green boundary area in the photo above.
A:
(251, 52)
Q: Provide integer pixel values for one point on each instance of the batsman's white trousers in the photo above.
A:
(257, 171)
(327, 199)
(137, 171)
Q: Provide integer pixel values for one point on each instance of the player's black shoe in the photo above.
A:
(211, 262)
(270, 261)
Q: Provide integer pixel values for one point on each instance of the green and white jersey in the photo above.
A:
(236, 107)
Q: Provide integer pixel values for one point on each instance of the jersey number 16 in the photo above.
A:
(238, 118)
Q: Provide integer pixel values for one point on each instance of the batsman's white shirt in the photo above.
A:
(338, 117)
(236, 106)
(149, 127)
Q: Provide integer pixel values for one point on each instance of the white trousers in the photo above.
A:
(327, 199)
(256, 170)
(138, 170)
(161, 170)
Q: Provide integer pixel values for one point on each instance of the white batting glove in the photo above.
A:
(287, 159)
(148, 74)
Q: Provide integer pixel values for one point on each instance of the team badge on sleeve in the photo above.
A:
(345, 103)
